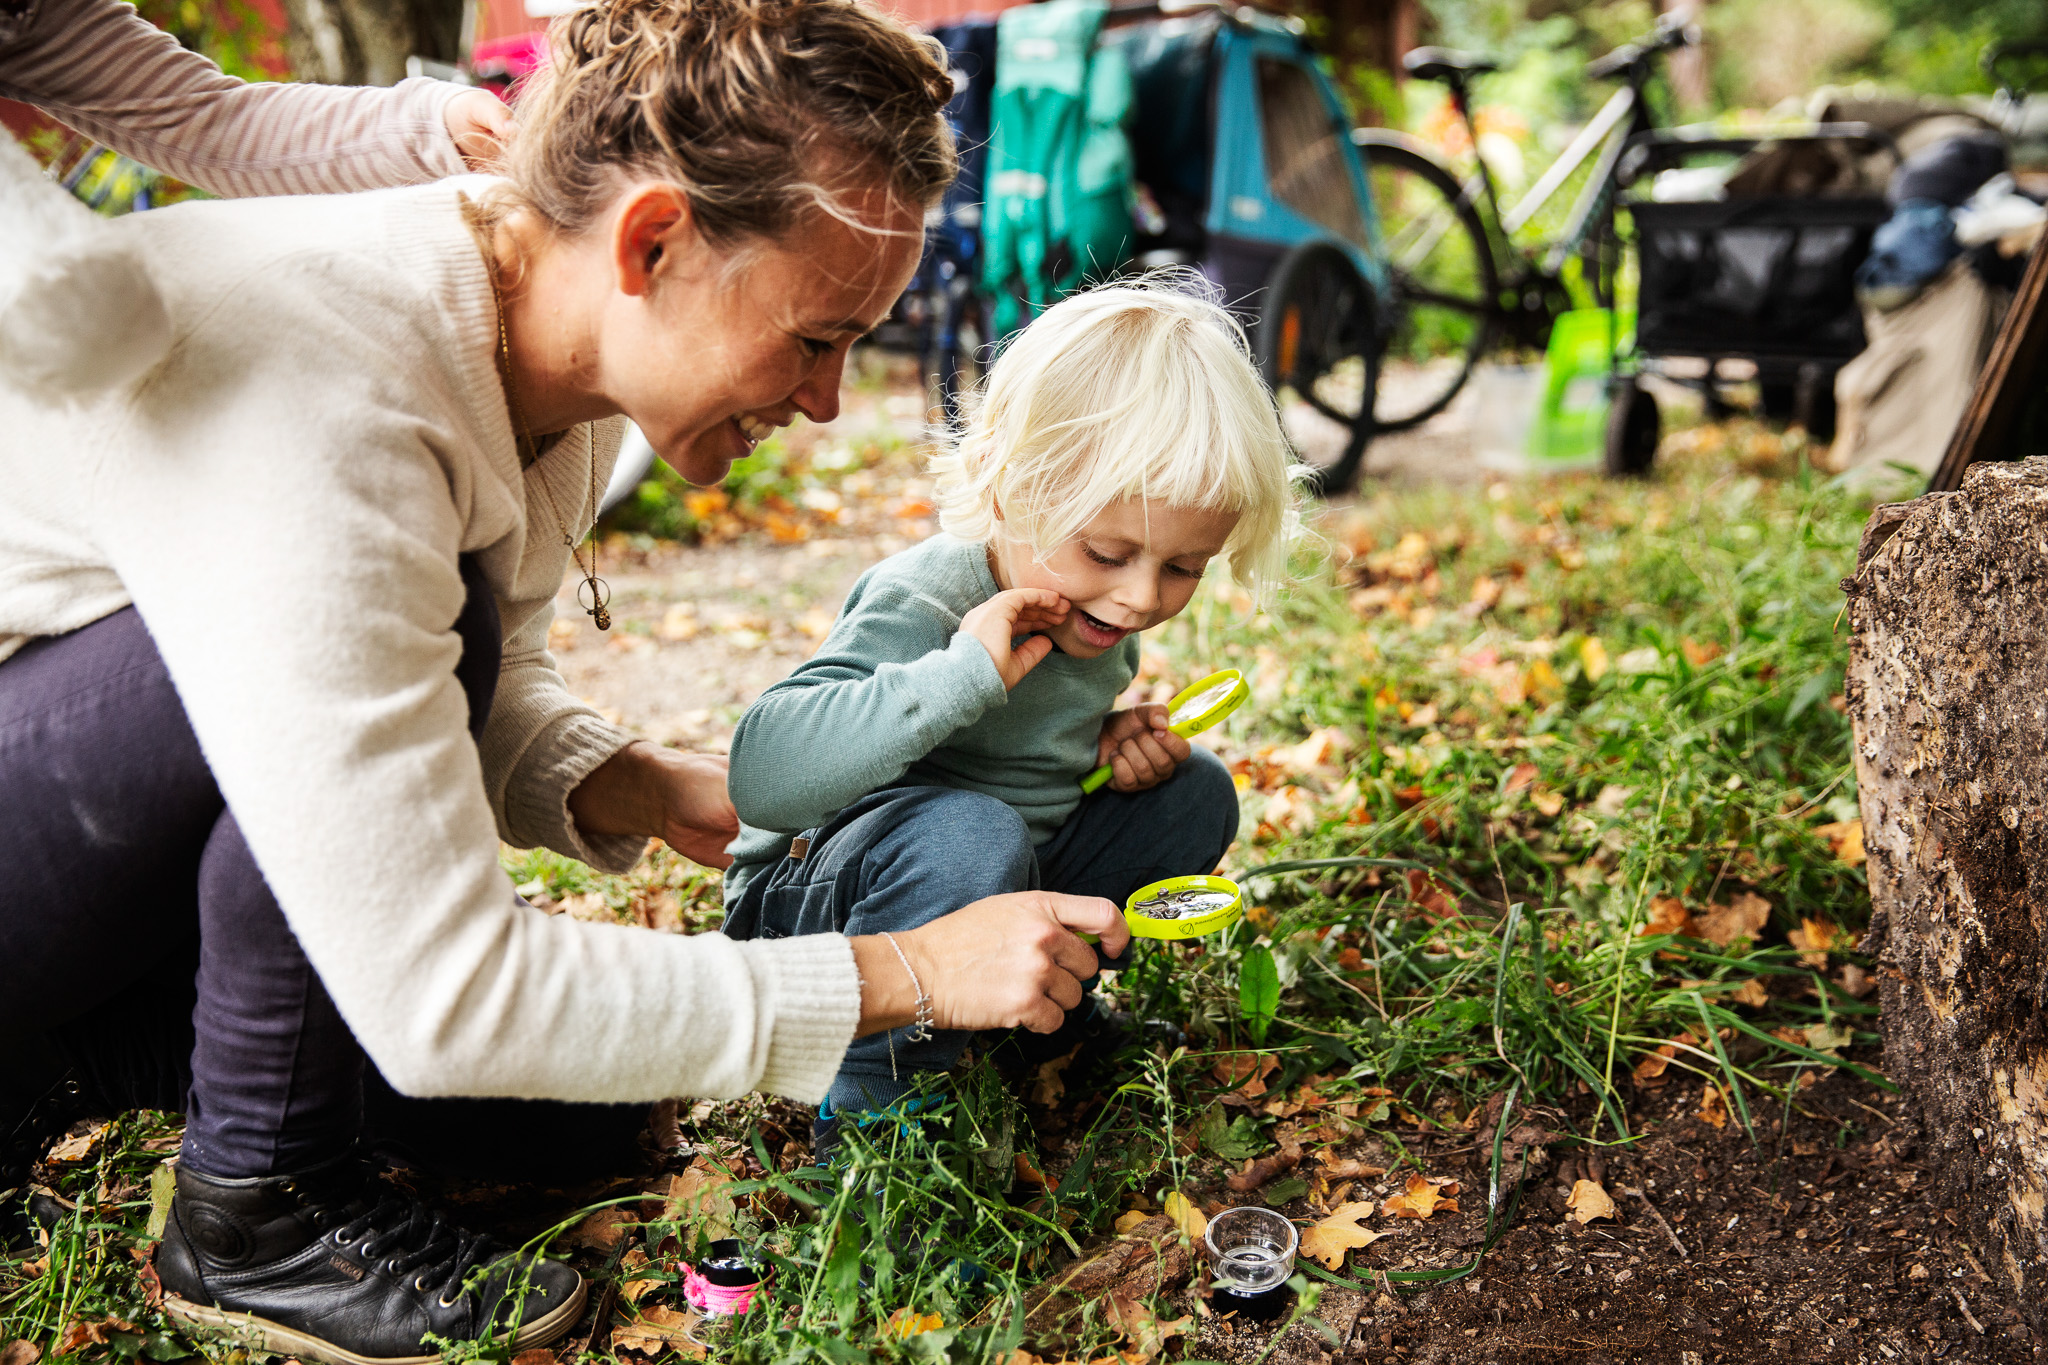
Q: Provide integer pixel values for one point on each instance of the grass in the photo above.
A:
(1544, 783)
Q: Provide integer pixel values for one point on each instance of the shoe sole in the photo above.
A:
(261, 1334)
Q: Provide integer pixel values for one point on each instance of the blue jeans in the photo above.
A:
(904, 856)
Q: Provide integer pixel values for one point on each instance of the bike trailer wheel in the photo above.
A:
(1634, 426)
(1318, 341)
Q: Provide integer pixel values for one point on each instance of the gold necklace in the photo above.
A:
(599, 605)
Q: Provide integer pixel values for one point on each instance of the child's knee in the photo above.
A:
(949, 849)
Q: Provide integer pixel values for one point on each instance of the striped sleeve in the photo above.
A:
(99, 67)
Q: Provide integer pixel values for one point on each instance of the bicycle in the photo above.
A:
(1460, 284)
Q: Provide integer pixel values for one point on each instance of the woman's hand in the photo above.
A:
(1007, 615)
(1140, 751)
(1004, 962)
(481, 127)
(675, 797)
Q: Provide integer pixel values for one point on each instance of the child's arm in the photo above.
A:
(1140, 751)
(894, 681)
(106, 71)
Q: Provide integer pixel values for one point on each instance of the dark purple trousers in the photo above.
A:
(141, 948)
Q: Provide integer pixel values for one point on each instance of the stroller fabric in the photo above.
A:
(1060, 182)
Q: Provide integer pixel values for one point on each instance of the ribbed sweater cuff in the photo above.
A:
(815, 1006)
(537, 803)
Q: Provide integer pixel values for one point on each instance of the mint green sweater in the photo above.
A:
(898, 697)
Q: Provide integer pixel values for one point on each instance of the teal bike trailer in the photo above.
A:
(1130, 137)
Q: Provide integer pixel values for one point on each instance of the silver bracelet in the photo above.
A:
(921, 1026)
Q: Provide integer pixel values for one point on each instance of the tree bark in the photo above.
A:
(366, 42)
(1948, 690)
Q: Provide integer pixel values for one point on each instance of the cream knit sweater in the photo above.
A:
(284, 499)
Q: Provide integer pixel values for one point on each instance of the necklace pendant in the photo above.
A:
(598, 605)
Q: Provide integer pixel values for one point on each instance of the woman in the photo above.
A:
(277, 684)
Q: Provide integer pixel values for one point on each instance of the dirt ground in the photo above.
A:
(1818, 1243)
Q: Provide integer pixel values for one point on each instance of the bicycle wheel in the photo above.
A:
(1318, 342)
(1443, 284)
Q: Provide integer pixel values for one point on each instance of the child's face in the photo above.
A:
(1132, 567)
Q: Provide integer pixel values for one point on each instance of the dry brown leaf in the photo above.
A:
(1713, 1107)
(1589, 1200)
(1421, 1198)
(1855, 980)
(21, 1352)
(698, 1199)
(1668, 915)
(1818, 937)
(1242, 1068)
(1845, 837)
(1351, 1170)
(1546, 802)
(1146, 1332)
(1751, 993)
(634, 1290)
(906, 1323)
(1126, 1221)
(1342, 1232)
(656, 1330)
(1046, 1085)
(1322, 748)
(1520, 776)
(602, 1230)
(539, 1355)
(1650, 1070)
(1258, 1171)
(1697, 654)
(1027, 1172)
(80, 1148)
(79, 1334)
(1185, 1215)
(1743, 917)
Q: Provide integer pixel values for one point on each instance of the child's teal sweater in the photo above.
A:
(898, 697)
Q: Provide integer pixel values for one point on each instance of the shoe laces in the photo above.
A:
(412, 1239)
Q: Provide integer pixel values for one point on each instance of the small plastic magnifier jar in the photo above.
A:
(725, 1282)
(1252, 1252)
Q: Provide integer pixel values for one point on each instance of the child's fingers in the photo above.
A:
(1150, 716)
(1026, 656)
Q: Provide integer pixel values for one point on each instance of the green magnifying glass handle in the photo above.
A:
(1198, 707)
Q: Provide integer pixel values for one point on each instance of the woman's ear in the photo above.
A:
(652, 222)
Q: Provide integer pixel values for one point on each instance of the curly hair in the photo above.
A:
(756, 109)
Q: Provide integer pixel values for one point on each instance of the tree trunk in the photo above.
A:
(366, 42)
(1948, 689)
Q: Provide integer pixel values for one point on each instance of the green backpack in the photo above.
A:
(1060, 186)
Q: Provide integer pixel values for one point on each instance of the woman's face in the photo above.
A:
(715, 355)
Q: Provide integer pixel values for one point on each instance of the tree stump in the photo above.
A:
(1948, 690)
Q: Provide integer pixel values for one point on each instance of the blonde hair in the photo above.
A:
(1140, 389)
(749, 106)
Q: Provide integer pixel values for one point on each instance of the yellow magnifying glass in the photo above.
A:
(1182, 907)
(1199, 706)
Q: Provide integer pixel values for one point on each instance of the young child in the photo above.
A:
(931, 752)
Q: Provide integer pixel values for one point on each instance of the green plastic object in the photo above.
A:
(1571, 422)
(1060, 178)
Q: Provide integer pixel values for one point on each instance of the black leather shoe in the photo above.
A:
(331, 1265)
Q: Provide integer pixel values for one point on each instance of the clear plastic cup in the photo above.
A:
(1252, 1249)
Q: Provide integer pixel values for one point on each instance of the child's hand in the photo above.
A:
(1140, 751)
(1004, 617)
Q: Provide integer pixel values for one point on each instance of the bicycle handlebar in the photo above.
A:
(1673, 31)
